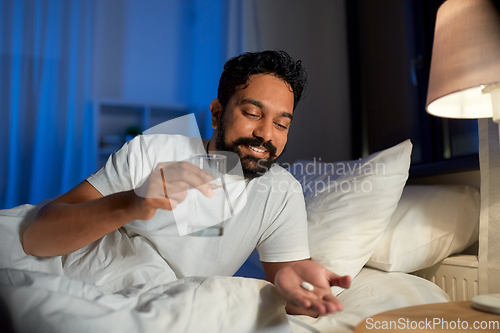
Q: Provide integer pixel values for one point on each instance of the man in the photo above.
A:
(251, 116)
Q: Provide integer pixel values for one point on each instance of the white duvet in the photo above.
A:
(88, 291)
(41, 302)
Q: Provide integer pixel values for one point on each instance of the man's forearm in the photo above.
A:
(61, 228)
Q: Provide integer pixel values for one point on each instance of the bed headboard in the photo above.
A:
(471, 178)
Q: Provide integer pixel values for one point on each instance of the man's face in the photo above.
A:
(255, 123)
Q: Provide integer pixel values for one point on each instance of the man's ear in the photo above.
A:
(216, 109)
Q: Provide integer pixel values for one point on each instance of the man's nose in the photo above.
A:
(264, 130)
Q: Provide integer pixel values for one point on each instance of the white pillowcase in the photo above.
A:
(429, 224)
(349, 205)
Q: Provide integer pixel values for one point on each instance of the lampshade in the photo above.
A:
(465, 59)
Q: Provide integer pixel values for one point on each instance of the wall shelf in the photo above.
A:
(115, 117)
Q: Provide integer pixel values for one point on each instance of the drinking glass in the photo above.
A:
(207, 214)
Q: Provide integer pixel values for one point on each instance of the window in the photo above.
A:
(390, 47)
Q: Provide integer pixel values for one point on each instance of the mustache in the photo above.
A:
(255, 142)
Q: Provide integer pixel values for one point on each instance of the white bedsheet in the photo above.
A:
(130, 288)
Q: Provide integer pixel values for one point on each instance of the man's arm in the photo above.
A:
(288, 277)
(76, 219)
(83, 215)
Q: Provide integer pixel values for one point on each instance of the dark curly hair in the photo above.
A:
(238, 70)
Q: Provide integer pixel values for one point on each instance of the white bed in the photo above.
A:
(41, 302)
(141, 294)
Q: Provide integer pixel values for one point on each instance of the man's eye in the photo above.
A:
(281, 126)
(250, 114)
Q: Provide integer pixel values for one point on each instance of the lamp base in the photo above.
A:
(488, 303)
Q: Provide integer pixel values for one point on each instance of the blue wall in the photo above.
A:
(58, 57)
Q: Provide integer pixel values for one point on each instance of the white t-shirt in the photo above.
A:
(273, 221)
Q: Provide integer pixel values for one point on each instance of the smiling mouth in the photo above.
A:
(257, 149)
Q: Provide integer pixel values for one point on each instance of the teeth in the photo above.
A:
(257, 150)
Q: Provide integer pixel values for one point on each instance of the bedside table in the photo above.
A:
(437, 317)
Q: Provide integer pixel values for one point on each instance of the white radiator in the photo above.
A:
(457, 275)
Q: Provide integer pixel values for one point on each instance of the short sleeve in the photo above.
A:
(286, 238)
(114, 176)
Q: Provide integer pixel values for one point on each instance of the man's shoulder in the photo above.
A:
(171, 139)
(177, 146)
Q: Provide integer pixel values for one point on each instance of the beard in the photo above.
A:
(252, 166)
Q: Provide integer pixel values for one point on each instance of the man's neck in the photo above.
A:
(211, 144)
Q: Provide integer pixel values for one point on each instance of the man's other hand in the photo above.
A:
(320, 300)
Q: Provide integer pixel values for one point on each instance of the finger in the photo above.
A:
(179, 190)
(176, 191)
(176, 188)
(338, 280)
(180, 165)
(163, 183)
(186, 171)
(206, 189)
(158, 184)
(179, 196)
(332, 303)
(301, 300)
(306, 303)
(328, 308)
(214, 186)
(191, 175)
(345, 281)
(331, 308)
(155, 186)
(303, 303)
(319, 307)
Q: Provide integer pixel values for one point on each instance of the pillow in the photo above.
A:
(349, 205)
(429, 224)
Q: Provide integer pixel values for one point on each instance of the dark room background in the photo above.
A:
(78, 76)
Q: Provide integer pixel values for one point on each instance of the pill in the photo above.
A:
(307, 286)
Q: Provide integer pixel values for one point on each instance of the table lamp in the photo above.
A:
(464, 78)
